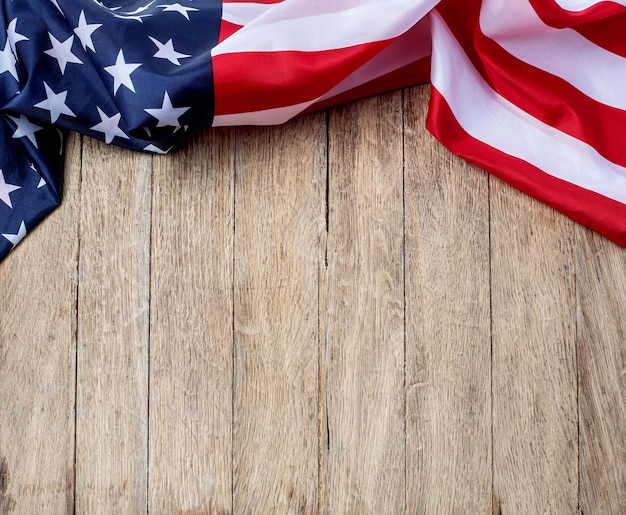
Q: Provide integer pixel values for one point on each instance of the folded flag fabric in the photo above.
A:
(533, 91)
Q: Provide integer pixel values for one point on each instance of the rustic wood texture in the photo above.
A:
(113, 324)
(533, 299)
(448, 346)
(279, 218)
(601, 273)
(38, 359)
(332, 316)
(363, 320)
(191, 350)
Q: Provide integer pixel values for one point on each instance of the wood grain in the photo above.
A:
(363, 461)
(191, 344)
(448, 349)
(279, 218)
(113, 317)
(334, 316)
(37, 359)
(601, 275)
(535, 417)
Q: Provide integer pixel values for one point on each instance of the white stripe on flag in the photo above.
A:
(581, 5)
(495, 121)
(407, 49)
(266, 117)
(242, 13)
(516, 27)
(307, 26)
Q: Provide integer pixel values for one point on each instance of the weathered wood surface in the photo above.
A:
(279, 218)
(448, 346)
(533, 307)
(191, 354)
(362, 340)
(334, 316)
(113, 324)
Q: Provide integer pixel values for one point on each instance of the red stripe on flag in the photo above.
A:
(256, 81)
(541, 94)
(602, 24)
(409, 75)
(608, 34)
(604, 215)
(227, 29)
(553, 14)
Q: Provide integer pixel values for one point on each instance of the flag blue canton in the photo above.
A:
(136, 75)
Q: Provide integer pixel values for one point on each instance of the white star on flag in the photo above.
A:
(166, 51)
(121, 71)
(167, 114)
(13, 36)
(155, 149)
(16, 238)
(56, 4)
(84, 32)
(5, 189)
(42, 181)
(25, 128)
(7, 61)
(136, 15)
(109, 126)
(179, 9)
(55, 103)
(62, 52)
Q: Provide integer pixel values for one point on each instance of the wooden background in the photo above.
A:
(332, 316)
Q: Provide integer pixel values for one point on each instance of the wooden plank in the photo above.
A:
(535, 433)
(279, 218)
(37, 359)
(448, 346)
(191, 344)
(601, 277)
(363, 459)
(113, 310)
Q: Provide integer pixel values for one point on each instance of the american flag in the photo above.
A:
(532, 91)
